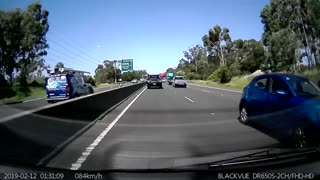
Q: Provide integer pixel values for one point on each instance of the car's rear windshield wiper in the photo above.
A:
(267, 156)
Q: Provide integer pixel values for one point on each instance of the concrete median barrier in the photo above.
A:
(29, 137)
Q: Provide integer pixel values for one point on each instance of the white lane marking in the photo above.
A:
(90, 148)
(205, 90)
(173, 125)
(212, 113)
(173, 90)
(230, 90)
(33, 100)
(189, 99)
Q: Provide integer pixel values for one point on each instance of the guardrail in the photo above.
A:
(28, 138)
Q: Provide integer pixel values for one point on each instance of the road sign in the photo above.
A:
(170, 74)
(127, 65)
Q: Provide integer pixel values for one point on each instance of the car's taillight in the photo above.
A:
(68, 89)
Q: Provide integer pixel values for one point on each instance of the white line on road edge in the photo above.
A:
(205, 91)
(217, 88)
(188, 99)
(89, 149)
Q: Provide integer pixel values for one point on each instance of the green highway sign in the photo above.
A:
(126, 65)
(170, 74)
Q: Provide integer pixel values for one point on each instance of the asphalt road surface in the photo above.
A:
(160, 128)
(10, 109)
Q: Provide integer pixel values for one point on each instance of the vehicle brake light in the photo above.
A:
(68, 89)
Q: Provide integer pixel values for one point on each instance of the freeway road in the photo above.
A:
(10, 109)
(163, 128)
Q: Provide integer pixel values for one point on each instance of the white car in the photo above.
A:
(134, 81)
(179, 81)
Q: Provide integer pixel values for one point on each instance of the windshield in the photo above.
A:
(138, 84)
(58, 78)
(303, 87)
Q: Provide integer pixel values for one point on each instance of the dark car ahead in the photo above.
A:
(288, 105)
(170, 80)
(154, 80)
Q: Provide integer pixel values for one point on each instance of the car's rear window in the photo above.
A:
(303, 87)
(179, 78)
(154, 76)
(60, 78)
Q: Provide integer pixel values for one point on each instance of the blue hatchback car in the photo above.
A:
(285, 104)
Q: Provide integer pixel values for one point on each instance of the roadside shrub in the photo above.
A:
(91, 81)
(222, 75)
(6, 92)
(34, 84)
(193, 76)
(181, 73)
(235, 70)
(313, 75)
(37, 82)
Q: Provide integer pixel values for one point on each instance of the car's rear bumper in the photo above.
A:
(154, 84)
(182, 85)
(57, 98)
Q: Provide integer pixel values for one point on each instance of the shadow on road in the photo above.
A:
(27, 140)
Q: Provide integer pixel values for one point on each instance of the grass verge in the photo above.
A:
(24, 94)
(235, 83)
(103, 85)
(239, 82)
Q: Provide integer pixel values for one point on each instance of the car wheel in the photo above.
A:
(244, 118)
(50, 101)
(90, 90)
(299, 137)
(148, 87)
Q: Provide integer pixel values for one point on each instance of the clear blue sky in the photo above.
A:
(154, 33)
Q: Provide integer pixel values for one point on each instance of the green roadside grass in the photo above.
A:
(21, 95)
(238, 82)
(103, 85)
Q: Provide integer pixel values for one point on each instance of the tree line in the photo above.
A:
(106, 73)
(290, 43)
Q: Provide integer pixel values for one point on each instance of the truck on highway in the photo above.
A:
(66, 83)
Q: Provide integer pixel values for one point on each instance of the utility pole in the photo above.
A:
(115, 71)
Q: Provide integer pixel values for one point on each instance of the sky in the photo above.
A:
(154, 33)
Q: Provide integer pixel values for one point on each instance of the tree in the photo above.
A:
(22, 41)
(217, 42)
(298, 17)
(282, 50)
(250, 55)
(34, 25)
(194, 55)
(59, 65)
